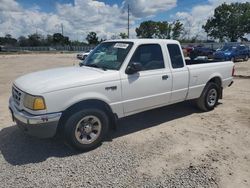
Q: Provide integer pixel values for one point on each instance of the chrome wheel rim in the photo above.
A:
(212, 97)
(88, 129)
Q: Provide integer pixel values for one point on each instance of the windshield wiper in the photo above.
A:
(96, 66)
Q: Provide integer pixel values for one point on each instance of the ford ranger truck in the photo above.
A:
(118, 78)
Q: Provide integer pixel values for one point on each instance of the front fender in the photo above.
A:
(86, 96)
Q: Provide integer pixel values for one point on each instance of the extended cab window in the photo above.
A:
(150, 56)
(175, 56)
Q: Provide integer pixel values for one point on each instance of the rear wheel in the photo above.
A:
(209, 97)
(85, 130)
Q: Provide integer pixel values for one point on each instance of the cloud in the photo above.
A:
(83, 16)
(88, 15)
(9, 5)
(198, 16)
(147, 8)
(17, 21)
(78, 18)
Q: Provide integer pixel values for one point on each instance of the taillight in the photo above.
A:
(233, 71)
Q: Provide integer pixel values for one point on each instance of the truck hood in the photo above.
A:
(62, 78)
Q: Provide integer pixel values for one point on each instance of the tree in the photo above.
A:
(177, 29)
(123, 35)
(8, 40)
(49, 40)
(66, 40)
(35, 39)
(229, 22)
(23, 41)
(162, 30)
(92, 38)
(59, 39)
(147, 29)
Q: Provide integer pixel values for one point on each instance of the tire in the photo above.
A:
(209, 97)
(246, 58)
(86, 129)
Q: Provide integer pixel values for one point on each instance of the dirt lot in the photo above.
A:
(174, 146)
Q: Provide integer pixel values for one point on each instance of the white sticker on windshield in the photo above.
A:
(121, 45)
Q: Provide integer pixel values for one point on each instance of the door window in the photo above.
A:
(150, 56)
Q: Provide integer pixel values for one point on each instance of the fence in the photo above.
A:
(46, 48)
(213, 46)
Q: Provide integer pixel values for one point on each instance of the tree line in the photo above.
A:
(38, 40)
(230, 22)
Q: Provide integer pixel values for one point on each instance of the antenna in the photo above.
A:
(128, 20)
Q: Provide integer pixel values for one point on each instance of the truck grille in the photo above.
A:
(16, 94)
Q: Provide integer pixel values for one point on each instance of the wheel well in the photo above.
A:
(218, 82)
(93, 103)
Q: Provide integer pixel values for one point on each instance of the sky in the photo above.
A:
(107, 18)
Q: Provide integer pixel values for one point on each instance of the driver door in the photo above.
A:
(150, 87)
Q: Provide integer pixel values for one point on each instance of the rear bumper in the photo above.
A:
(42, 126)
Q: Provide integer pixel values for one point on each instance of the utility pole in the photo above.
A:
(128, 20)
(62, 27)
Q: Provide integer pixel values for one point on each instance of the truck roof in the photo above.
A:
(141, 41)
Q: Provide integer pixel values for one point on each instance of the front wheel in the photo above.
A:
(209, 97)
(86, 129)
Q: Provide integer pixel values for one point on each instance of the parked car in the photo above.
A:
(184, 51)
(201, 51)
(83, 55)
(188, 50)
(118, 79)
(233, 52)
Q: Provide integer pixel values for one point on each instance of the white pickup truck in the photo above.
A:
(119, 78)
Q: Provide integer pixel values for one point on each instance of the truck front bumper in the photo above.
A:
(41, 126)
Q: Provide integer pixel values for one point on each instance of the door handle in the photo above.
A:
(164, 77)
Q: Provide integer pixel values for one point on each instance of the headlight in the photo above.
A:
(34, 102)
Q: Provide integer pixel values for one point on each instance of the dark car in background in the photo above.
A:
(188, 50)
(232, 53)
(201, 51)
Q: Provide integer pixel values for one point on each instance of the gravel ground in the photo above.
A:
(174, 146)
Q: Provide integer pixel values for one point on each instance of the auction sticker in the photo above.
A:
(121, 45)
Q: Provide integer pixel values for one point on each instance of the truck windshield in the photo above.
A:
(108, 55)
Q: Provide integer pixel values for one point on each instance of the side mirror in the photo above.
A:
(133, 67)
